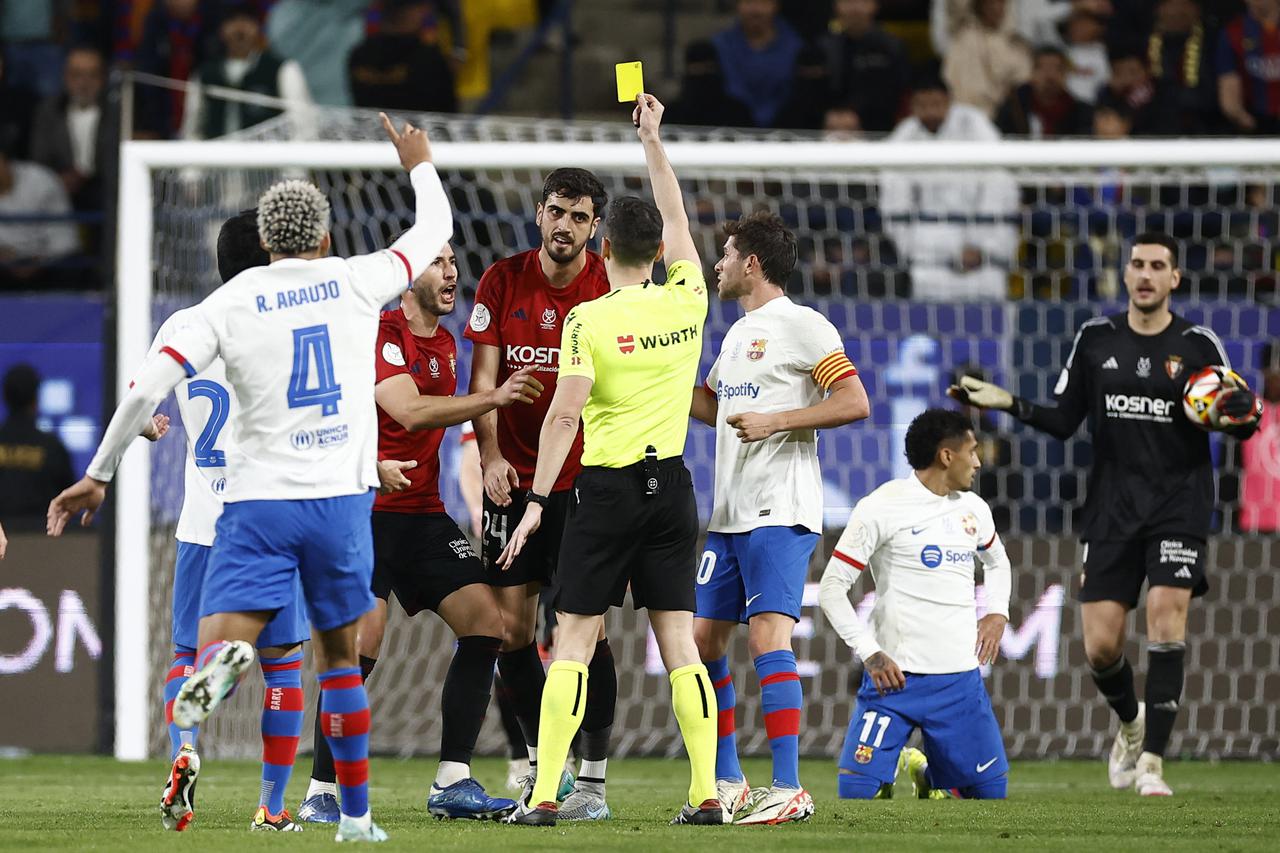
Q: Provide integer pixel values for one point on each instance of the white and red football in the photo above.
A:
(1202, 389)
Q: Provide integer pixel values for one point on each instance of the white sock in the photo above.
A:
(450, 772)
(533, 754)
(593, 771)
(318, 787)
(364, 821)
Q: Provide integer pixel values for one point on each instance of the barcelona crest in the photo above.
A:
(863, 754)
(756, 351)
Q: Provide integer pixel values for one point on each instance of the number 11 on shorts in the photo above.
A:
(871, 720)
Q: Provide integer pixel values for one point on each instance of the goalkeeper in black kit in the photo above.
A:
(1150, 495)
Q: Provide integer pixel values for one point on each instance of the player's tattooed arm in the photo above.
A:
(499, 475)
(398, 396)
(885, 674)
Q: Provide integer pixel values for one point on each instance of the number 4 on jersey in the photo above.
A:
(311, 349)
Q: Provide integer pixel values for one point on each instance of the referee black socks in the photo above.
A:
(1115, 683)
(1164, 692)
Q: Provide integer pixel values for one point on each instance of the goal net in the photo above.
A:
(930, 259)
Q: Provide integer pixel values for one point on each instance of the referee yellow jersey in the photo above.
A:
(640, 347)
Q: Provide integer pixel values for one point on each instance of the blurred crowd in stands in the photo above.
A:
(905, 69)
(1029, 68)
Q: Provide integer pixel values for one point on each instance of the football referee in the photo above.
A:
(1151, 492)
(626, 362)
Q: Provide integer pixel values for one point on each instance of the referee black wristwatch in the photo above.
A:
(534, 498)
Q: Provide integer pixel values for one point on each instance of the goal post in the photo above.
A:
(497, 179)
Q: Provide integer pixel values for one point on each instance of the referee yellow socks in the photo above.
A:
(564, 698)
(694, 701)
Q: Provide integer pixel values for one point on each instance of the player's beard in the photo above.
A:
(562, 255)
(429, 302)
(728, 289)
(1151, 307)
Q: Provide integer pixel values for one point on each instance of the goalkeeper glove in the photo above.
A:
(984, 395)
(1238, 407)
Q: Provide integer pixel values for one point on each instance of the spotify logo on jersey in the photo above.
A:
(931, 556)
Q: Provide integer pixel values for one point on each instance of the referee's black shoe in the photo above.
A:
(708, 814)
(544, 814)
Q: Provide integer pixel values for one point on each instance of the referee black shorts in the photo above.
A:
(537, 561)
(619, 536)
(422, 558)
(1116, 570)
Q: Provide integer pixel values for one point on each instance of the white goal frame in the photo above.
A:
(135, 264)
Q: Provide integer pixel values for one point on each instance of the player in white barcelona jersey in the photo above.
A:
(298, 340)
(207, 406)
(923, 644)
(781, 375)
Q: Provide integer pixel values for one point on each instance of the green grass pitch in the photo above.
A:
(83, 803)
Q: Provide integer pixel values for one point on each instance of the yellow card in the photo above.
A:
(630, 81)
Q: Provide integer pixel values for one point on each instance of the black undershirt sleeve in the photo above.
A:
(1061, 420)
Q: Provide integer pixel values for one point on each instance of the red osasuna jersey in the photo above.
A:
(522, 315)
(433, 364)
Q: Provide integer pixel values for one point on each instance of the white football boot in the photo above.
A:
(1150, 773)
(1123, 761)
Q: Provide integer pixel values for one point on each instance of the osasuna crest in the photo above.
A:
(434, 366)
(756, 351)
(1144, 367)
(548, 318)
(453, 365)
(863, 754)
(1173, 366)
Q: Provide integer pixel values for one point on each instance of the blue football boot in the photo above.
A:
(320, 808)
(467, 800)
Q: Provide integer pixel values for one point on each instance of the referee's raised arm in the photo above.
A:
(677, 242)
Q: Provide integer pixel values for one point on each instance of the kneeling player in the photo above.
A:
(419, 553)
(923, 645)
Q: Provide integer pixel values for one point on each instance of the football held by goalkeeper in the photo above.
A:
(1151, 490)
